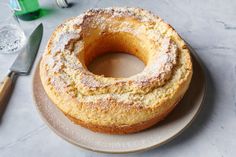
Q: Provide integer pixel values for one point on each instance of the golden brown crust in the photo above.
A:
(126, 104)
(124, 129)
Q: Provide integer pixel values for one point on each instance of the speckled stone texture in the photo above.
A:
(209, 27)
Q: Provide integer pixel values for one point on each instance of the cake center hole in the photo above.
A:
(116, 64)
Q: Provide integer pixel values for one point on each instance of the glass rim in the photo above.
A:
(10, 11)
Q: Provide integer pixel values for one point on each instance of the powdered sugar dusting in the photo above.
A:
(161, 65)
(68, 43)
(63, 39)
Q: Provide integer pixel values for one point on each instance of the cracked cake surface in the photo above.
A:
(115, 105)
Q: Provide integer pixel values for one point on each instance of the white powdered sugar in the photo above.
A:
(63, 39)
(157, 71)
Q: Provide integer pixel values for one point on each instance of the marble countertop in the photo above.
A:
(209, 27)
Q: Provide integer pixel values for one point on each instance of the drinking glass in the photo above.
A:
(12, 37)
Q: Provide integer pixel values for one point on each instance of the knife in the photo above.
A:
(21, 66)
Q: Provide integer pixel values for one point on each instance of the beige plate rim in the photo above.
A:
(194, 54)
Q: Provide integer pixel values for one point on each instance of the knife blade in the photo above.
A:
(25, 59)
(21, 66)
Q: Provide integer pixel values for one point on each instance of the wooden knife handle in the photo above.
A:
(6, 87)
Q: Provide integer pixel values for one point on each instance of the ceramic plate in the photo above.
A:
(157, 135)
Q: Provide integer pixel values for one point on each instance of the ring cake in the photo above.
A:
(115, 105)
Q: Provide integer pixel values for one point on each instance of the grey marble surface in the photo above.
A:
(208, 25)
